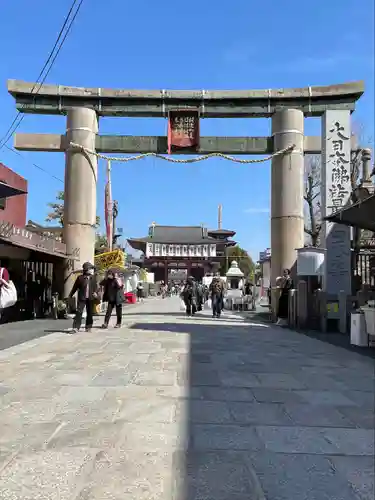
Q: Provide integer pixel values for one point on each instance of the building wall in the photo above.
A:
(14, 208)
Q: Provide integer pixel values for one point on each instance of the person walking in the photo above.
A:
(140, 292)
(33, 295)
(113, 294)
(8, 293)
(200, 296)
(283, 305)
(87, 293)
(217, 296)
(189, 296)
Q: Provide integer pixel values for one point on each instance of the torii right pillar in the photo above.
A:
(287, 222)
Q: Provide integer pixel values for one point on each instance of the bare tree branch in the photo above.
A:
(312, 198)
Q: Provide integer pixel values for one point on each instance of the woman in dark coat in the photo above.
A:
(140, 292)
(189, 296)
(113, 293)
(283, 309)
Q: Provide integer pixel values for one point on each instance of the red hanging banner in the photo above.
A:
(108, 208)
(183, 130)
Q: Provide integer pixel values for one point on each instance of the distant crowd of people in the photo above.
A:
(195, 294)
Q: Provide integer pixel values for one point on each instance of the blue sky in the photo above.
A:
(244, 44)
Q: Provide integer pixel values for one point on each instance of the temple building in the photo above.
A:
(174, 252)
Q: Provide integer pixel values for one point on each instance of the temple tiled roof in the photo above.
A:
(191, 235)
(223, 232)
(180, 234)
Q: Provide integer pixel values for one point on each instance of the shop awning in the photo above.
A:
(7, 191)
(360, 214)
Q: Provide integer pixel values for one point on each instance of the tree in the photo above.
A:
(245, 262)
(57, 211)
(312, 198)
(101, 243)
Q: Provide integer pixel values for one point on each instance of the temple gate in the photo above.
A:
(287, 145)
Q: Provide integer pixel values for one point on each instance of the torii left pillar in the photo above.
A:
(287, 225)
(81, 171)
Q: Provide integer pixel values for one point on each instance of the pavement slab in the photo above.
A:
(169, 407)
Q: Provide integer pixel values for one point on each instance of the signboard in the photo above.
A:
(177, 275)
(265, 255)
(367, 243)
(149, 250)
(367, 239)
(107, 260)
(336, 189)
(183, 130)
(159, 250)
(332, 310)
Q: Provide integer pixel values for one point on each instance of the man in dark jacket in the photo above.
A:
(87, 293)
(113, 294)
(217, 296)
(200, 296)
(189, 296)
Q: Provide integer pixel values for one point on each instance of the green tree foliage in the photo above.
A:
(244, 260)
(56, 213)
(101, 243)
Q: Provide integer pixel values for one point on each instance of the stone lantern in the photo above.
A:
(234, 280)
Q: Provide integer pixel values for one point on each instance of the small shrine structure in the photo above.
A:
(234, 280)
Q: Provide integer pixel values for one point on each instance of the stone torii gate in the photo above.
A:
(287, 109)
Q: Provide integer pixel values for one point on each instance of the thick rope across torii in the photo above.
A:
(196, 159)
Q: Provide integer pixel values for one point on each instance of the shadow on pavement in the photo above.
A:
(340, 340)
(214, 462)
(12, 334)
(250, 418)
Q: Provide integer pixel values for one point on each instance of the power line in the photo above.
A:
(67, 25)
(52, 56)
(51, 60)
(33, 164)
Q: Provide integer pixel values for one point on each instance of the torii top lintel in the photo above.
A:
(58, 99)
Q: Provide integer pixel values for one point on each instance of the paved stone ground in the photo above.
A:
(185, 409)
